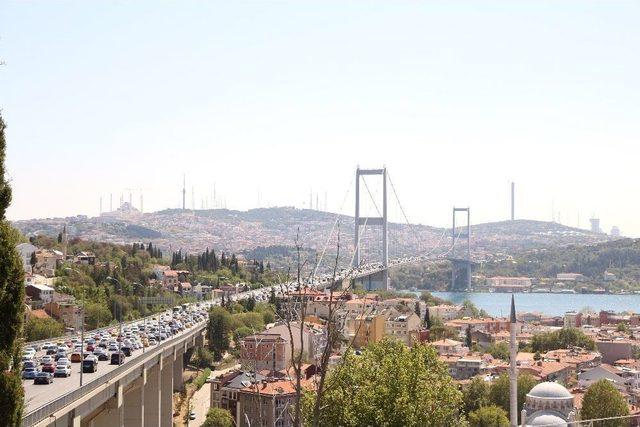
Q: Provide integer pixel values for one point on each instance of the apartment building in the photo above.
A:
(225, 388)
(314, 338)
(264, 352)
(403, 327)
(364, 329)
(267, 403)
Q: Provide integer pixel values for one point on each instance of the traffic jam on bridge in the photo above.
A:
(114, 345)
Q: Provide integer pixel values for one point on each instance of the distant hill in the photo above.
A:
(271, 233)
(620, 257)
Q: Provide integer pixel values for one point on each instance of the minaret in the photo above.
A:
(513, 368)
(184, 192)
(513, 201)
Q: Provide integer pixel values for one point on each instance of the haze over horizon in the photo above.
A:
(272, 101)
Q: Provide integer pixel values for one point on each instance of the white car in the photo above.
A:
(63, 361)
(62, 371)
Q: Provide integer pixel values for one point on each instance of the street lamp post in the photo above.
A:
(115, 281)
(82, 341)
(81, 329)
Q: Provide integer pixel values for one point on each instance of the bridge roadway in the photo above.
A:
(137, 393)
(115, 395)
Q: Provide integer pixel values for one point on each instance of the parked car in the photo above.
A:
(43, 378)
(62, 371)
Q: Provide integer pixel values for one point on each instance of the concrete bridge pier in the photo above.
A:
(112, 413)
(152, 397)
(134, 402)
(166, 392)
(178, 368)
(68, 420)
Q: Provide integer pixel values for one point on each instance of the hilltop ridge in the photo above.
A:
(254, 230)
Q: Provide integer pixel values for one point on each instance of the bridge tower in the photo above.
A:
(465, 261)
(378, 280)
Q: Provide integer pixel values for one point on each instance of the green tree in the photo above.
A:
(603, 400)
(250, 304)
(623, 327)
(40, 329)
(97, 315)
(359, 391)
(219, 329)
(499, 350)
(218, 417)
(12, 303)
(202, 358)
(475, 395)
(563, 338)
(427, 318)
(499, 391)
(272, 296)
(489, 416)
(468, 338)
(240, 333)
(33, 260)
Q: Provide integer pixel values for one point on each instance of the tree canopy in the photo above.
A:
(12, 303)
(475, 395)
(562, 338)
(489, 416)
(499, 391)
(391, 385)
(603, 400)
(218, 417)
(219, 329)
(40, 329)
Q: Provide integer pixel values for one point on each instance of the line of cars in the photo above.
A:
(54, 359)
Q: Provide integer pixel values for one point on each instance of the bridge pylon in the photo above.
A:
(378, 280)
(465, 262)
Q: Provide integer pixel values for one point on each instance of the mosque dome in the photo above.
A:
(546, 419)
(548, 404)
(549, 390)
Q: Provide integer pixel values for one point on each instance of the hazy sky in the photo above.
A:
(273, 98)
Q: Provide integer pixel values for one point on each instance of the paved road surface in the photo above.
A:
(39, 395)
(201, 400)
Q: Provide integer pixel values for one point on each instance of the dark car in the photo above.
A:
(126, 350)
(101, 355)
(117, 358)
(52, 350)
(60, 355)
(43, 378)
(90, 364)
